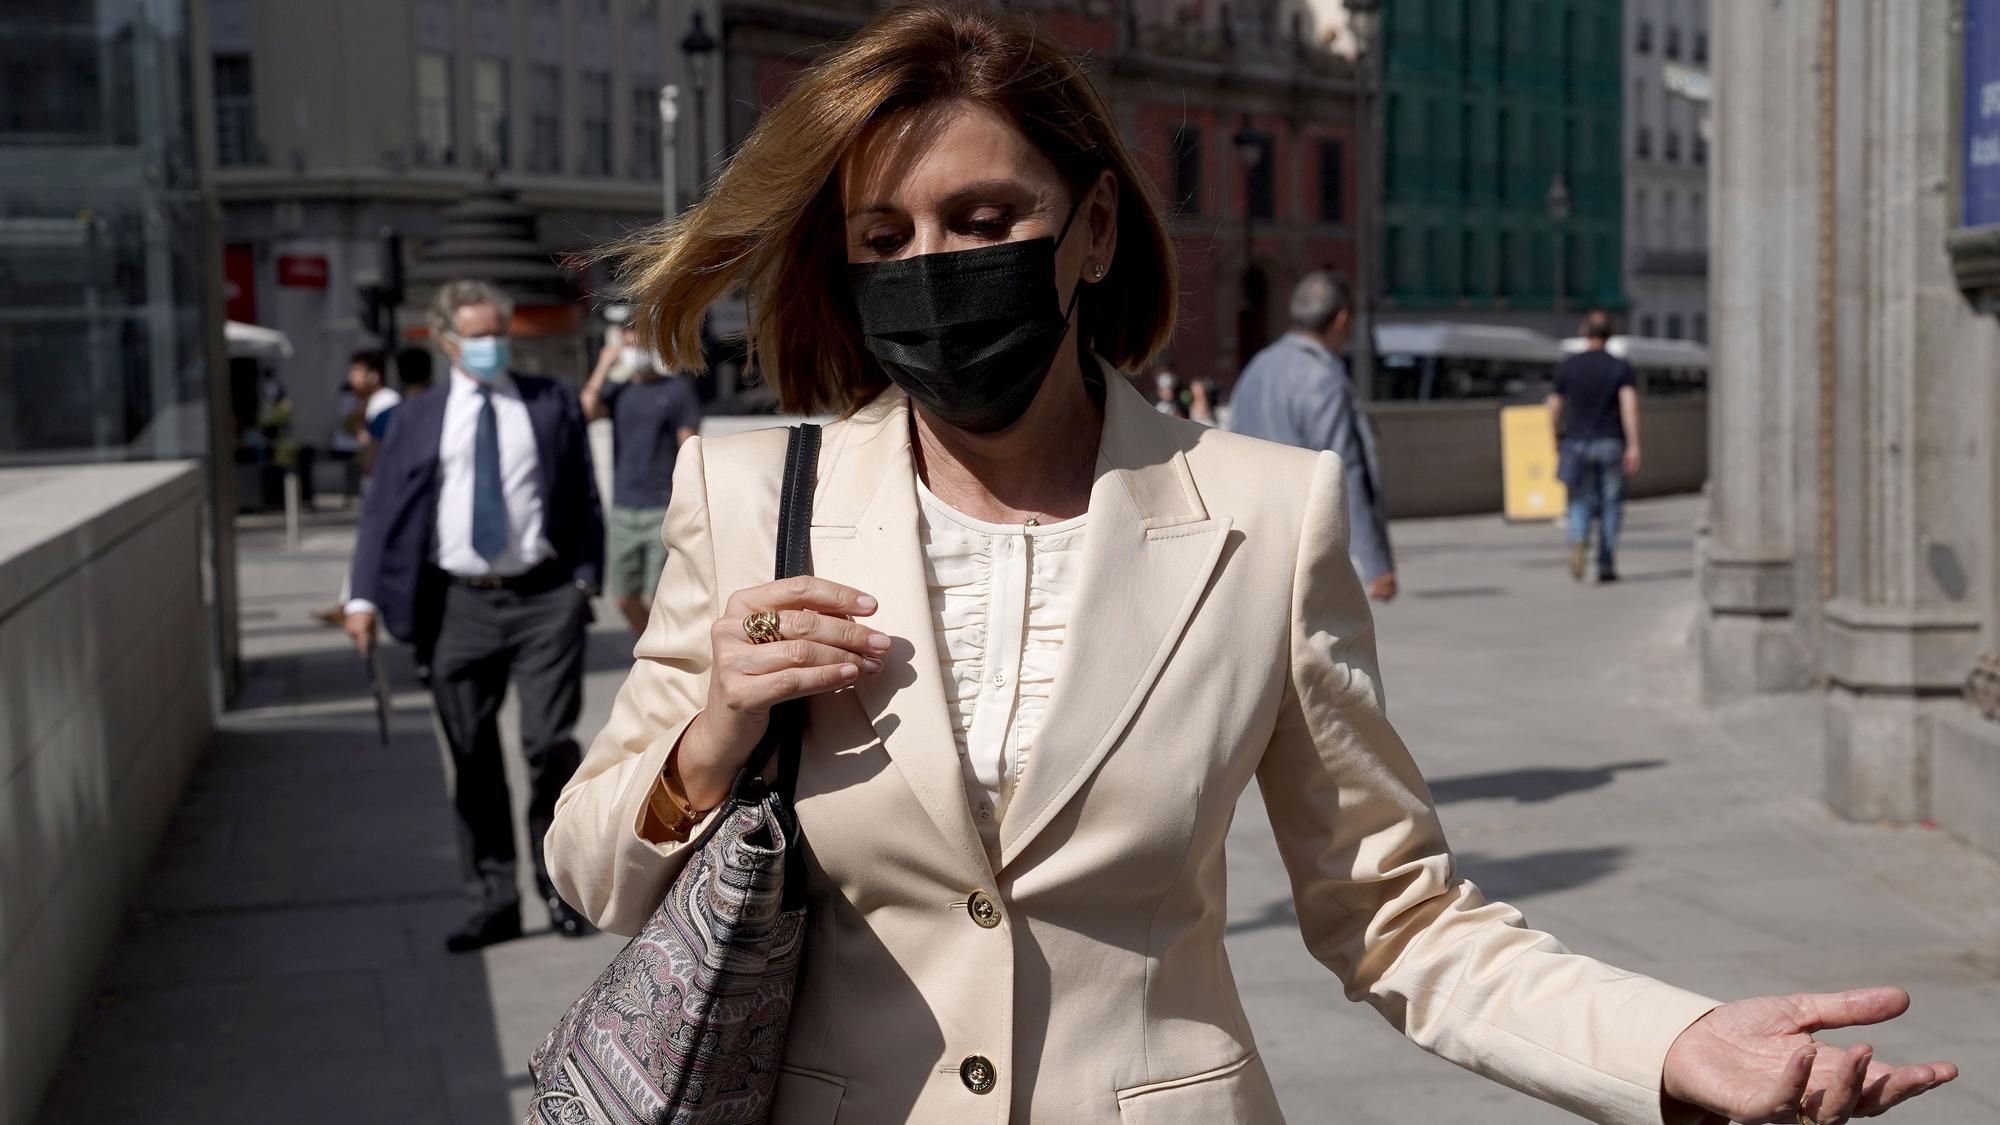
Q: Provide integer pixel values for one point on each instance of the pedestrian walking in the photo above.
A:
(341, 445)
(1297, 392)
(374, 401)
(652, 414)
(481, 545)
(368, 404)
(1594, 408)
(1014, 889)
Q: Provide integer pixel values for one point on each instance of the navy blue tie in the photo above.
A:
(489, 502)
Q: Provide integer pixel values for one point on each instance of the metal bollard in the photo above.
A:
(291, 509)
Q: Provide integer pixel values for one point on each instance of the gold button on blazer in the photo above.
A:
(1219, 634)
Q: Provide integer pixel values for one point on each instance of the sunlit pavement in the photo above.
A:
(284, 961)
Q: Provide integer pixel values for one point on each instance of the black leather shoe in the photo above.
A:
(566, 921)
(482, 930)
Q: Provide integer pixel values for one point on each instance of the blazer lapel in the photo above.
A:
(1149, 550)
(426, 413)
(542, 414)
(864, 535)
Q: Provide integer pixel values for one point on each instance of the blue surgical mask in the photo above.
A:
(484, 357)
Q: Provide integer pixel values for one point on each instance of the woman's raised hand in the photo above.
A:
(822, 649)
(1756, 1060)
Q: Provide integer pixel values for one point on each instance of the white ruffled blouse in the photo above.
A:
(1000, 602)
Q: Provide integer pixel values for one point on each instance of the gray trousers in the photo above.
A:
(488, 637)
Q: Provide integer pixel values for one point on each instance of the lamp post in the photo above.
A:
(1559, 209)
(1364, 20)
(1249, 153)
(670, 113)
(698, 47)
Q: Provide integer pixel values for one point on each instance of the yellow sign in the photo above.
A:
(1528, 464)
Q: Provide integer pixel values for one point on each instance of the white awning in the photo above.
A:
(1650, 351)
(255, 341)
(1466, 341)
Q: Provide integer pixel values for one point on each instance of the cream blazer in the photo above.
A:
(1219, 634)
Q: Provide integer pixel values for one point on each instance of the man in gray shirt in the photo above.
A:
(1297, 392)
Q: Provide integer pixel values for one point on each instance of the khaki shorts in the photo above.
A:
(635, 555)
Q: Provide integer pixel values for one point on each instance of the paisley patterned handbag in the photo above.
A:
(686, 1026)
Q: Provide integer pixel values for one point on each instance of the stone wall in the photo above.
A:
(1443, 459)
(104, 705)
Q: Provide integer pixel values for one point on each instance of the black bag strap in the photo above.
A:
(795, 502)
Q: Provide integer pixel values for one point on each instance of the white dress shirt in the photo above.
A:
(520, 484)
(520, 472)
(382, 399)
(1000, 603)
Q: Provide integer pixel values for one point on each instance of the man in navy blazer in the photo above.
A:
(481, 545)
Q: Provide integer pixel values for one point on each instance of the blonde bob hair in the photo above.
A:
(772, 223)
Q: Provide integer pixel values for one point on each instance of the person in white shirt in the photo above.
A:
(373, 399)
(367, 403)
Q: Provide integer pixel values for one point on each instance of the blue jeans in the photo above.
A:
(1599, 492)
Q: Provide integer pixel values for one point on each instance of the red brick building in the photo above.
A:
(1195, 91)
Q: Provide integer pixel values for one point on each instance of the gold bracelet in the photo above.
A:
(675, 813)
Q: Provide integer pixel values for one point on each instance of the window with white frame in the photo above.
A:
(434, 110)
(545, 118)
(596, 124)
(490, 119)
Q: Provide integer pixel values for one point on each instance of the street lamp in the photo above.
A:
(1364, 20)
(1559, 209)
(698, 46)
(670, 114)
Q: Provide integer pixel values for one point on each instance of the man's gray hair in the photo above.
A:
(455, 295)
(1317, 299)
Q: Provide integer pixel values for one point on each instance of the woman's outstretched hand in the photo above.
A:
(1756, 1061)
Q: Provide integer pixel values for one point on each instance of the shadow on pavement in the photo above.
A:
(1533, 784)
(609, 650)
(284, 957)
(1680, 574)
(1523, 877)
(330, 672)
(1520, 877)
(1459, 592)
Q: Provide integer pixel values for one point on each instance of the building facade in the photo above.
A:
(1850, 548)
(1242, 115)
(1503, 161)
(336, 123)
(1666, 168)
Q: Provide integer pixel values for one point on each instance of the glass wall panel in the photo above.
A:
(102, 260)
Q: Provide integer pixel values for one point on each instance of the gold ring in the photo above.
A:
(1804, 1117)
(761, 628)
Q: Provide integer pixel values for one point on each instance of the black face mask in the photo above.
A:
(968, 334)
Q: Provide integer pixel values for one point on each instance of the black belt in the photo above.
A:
(547, 576)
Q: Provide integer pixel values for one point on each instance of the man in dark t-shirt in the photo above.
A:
(1595, 409)
(651, 415)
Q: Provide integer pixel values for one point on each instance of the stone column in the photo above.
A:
(1913, 524)
(1757, 562)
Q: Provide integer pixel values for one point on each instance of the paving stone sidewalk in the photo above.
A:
(284, 960)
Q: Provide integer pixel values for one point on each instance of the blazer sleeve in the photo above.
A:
(1379, 899)
(597, 854)
(379, 507)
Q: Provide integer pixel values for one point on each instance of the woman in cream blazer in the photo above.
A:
(1071, 970)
